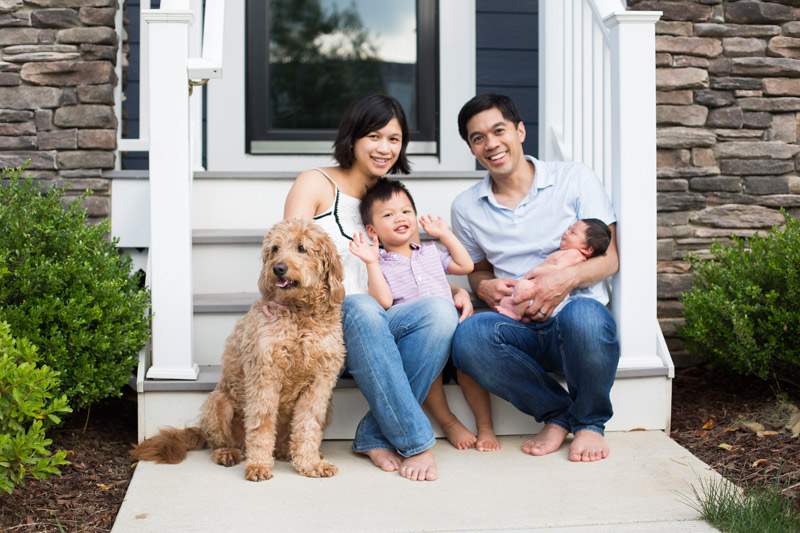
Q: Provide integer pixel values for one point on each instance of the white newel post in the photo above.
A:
(170, 194)
(633, 157)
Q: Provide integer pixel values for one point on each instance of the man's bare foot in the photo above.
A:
(547, 441)
(588, 446)
(386, 460)
(458, 435)
(487, 440)
(420, 467)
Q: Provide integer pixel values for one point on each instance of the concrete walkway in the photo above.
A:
(640, 487)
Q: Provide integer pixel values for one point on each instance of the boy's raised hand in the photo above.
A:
(434, 227)
(362, 249)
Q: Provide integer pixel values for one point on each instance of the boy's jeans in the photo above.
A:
(512, 359)
(394, 356)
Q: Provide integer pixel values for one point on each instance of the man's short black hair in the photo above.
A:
(483, 102)
(598, 236)
(382, 191)
(365, 114)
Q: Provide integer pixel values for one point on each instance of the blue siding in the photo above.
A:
(133, 160)
(507, 57)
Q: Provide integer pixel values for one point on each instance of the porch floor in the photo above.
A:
(640, 487)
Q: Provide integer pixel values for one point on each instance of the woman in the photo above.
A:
(394, 355)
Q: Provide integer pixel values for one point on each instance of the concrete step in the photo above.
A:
(638, 403)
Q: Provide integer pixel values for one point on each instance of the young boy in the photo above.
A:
(403, 271)
(585, 238)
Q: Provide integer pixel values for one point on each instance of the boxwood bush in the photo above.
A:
(27, 407)
(744, 309)
(68, 290)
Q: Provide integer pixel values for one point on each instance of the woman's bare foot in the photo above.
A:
(458, 435)
(386, 460)
(487, 440)
(420, 467)
(588, 446)
(547, 441)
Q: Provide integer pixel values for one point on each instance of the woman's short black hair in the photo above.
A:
(598, 235)
(364, 115)
(382, 191)
(483, 102)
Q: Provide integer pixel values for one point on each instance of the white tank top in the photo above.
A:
(340, 221)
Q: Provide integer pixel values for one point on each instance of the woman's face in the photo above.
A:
(377, 151)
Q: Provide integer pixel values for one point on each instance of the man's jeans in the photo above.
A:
(394, 356)
(512, 359)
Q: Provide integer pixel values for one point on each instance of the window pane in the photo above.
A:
(325, 53)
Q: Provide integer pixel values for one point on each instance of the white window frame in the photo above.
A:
(226, 99)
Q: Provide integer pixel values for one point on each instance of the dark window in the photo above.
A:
(307, 59)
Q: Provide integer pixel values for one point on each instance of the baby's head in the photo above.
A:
(590, 236)
(387, 210)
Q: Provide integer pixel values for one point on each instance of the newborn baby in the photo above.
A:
(584, 239)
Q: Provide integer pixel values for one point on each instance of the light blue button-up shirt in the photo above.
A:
(516, 240)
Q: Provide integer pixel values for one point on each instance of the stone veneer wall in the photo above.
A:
(57, 83)
(728, 112)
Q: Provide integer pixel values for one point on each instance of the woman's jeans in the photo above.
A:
(394, 355)
(512, 359)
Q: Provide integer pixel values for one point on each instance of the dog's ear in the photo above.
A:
(332, 264)
(266, 259)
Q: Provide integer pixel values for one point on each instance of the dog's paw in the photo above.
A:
(227, 456)
(257, 472)
(320, 469)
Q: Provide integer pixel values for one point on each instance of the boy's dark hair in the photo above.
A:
(366, 114)
(382, 191)
(483, 102)
(598, 236)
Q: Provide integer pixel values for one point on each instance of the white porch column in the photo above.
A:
(633, 164)
(170, 193)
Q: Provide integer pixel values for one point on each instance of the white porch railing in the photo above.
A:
(172, 153)
(205, 50)
(597, 106)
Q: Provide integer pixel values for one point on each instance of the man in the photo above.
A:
(509, 223)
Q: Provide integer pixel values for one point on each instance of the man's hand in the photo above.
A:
(462, 302)
(547, 291)
(493, 290)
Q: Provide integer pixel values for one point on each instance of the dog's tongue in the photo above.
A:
(282, 283)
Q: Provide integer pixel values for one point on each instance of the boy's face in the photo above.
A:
(393, 221)
(575, 237)
(495, 142)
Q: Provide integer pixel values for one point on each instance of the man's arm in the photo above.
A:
(550, 289)
(488, 288)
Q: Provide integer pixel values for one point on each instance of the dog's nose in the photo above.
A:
(279, 269)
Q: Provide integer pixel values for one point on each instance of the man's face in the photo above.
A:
(495, 142)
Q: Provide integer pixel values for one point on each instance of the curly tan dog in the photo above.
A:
(278, 372)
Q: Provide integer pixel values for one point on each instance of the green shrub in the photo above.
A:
(744, 308)
(68, 291)
(27, 406)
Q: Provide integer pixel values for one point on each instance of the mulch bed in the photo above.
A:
(739, 427)
(711, 411)
(89, 492)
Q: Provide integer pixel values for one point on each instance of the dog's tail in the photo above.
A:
(169, 445)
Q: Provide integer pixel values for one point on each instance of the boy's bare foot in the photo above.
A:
(487, 440)
(386, 460)
(588, 446)
(458, 435)
(547, 441)
(420, 467)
